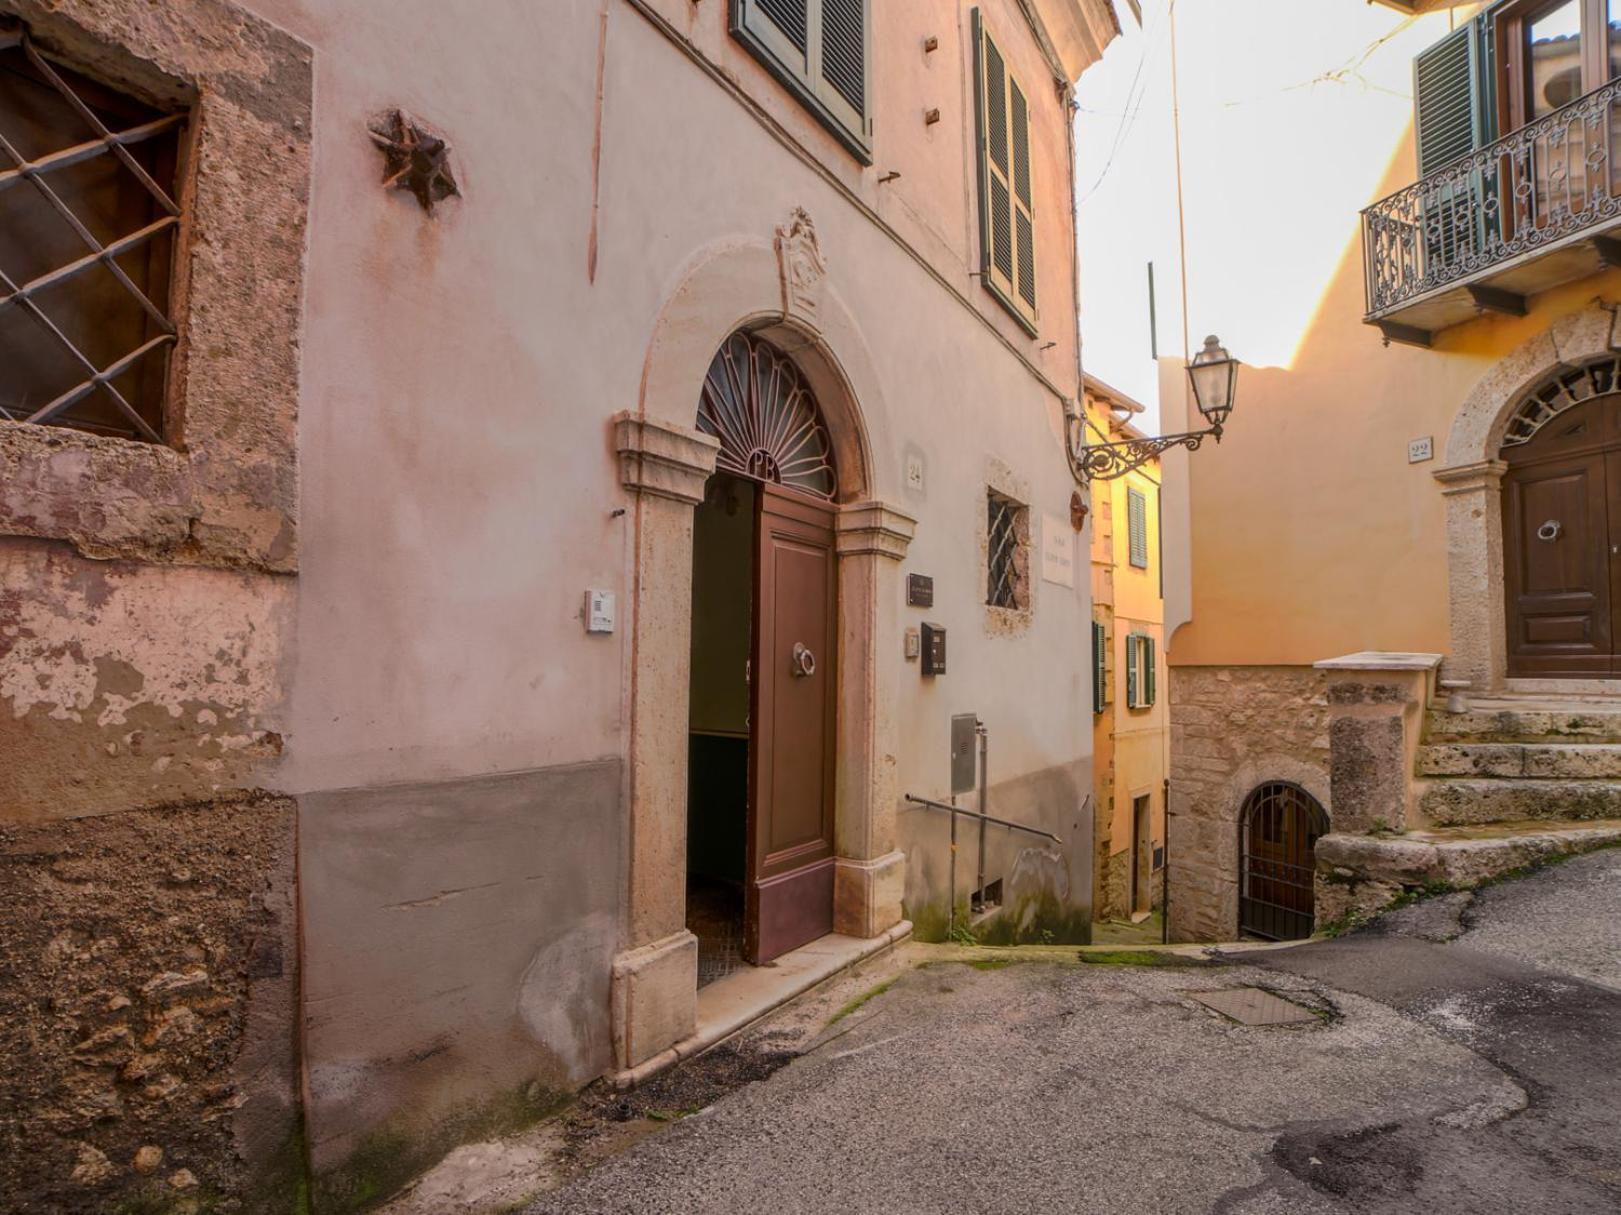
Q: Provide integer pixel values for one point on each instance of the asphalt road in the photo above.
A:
(1466, 1058)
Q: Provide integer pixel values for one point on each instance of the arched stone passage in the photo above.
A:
(1471, 481)
(774, 294)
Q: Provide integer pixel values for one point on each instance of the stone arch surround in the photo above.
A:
(664, 462)
(1471, 481)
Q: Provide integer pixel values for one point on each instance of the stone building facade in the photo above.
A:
(351, 662)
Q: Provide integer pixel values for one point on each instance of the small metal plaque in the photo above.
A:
(919, 590)
(1419, 450)
(964, 771)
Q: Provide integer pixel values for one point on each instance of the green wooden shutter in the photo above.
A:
(1007, 241)
(1100, 667)
(822, 50)
(1149, 672)
(1132, 679)
(1454, 95)
(1137, 527)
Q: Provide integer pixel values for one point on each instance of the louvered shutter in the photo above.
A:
(822, 50)
(1452, 91)
(1137, 527)
(1007, 234)
(1131, 672)
(1100, 667)
(1150, 674)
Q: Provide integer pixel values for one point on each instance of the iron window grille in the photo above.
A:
(1005, 557)
(88, 223)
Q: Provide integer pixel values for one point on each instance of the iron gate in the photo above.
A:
(1278, 831)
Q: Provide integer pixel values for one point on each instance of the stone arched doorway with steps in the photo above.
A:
(755, 298)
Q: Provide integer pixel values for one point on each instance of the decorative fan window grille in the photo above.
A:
(87, 228)
(756, 402)
(1560, 392)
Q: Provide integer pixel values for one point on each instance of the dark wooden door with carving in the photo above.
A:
(789, 895)
(1561, 529)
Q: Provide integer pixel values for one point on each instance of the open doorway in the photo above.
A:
(1141, 851)
(718, 731)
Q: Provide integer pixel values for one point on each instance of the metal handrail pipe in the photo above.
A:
(989, 818)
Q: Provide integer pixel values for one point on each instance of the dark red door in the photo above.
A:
(789, 894)
(1561, 520)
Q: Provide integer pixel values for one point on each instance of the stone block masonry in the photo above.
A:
(147, 999)
(1233, 728)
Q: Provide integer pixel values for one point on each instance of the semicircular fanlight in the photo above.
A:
(756, 402)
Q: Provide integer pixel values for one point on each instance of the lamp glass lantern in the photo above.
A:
(1214, 374)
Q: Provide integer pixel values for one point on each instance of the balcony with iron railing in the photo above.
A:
(1537, 208)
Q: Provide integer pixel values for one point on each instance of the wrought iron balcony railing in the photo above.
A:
(1552, 182)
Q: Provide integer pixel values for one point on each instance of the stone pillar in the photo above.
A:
(1473, 495)
(655, 977)
(870, 873)
(1376, 719)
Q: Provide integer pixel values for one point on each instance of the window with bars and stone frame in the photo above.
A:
(1007, 553)
(88, 224)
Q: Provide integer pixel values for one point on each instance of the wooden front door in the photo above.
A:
(1561, 529)
(789, 895)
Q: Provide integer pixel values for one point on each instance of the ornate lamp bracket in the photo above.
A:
(1106, 461)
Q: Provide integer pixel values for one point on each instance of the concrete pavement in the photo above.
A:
(1460, 1063)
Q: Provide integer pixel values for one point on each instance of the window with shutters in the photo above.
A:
(822, 51)
(1100, 667)
(1007, 225)
(1140, 673)
(1137, 527)
(88, 217)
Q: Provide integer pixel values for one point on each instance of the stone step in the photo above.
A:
(1461, 802)
(1537, 761)
(1359, 875)
(1600, 723)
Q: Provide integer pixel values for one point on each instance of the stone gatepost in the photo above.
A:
(1376, 720)
(870, 874)
(655, 977)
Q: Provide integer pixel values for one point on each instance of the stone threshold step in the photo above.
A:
(1361, 874)
(1512, 725)
(1537, 761)
(1464, 801)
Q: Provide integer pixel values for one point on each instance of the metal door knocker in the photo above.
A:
(803, 662)
(1549, 530)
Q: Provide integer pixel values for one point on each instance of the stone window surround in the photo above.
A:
(1471, 482)
(223, 492)
(664, 462)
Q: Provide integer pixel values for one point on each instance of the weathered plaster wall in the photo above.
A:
(148, 956)
(125, 684)
(147, 995)
(458, 937)
(1233, 728)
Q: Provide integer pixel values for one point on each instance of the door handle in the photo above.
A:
(1550, 530)
(803, 661)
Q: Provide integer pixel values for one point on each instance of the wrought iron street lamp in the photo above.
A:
(1213, 374)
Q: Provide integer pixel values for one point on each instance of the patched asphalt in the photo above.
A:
(1453, 1065)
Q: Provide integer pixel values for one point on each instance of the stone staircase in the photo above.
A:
(1521, 759)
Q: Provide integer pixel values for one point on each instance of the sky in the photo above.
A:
(1291, 112)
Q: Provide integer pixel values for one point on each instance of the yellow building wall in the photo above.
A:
(1310, 534)
(1130, 745)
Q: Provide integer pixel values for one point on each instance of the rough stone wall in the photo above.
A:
(1233, 728)
(148, 949)
(146, 997)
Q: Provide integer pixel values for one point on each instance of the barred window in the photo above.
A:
(1007, 536)
(88, 220)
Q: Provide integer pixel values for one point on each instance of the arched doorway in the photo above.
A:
(764, 640)
(1562, 536)
(1279, 826)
